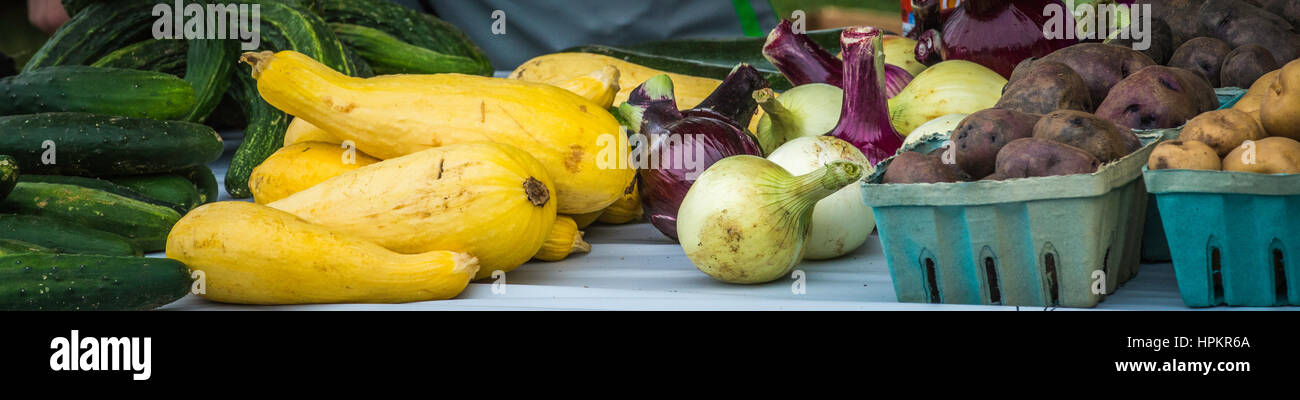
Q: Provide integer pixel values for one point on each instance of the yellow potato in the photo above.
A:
(1275, 155)
(1184, 154)
(1223, 130)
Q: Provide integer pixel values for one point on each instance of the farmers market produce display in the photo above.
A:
(381, 161)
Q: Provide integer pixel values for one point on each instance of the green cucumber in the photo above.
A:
(8, 175)
(169, 188)
(109, 91)
(90, 282)
(9, 247)
(262, 137)
(100, 184)
(408, 25)
(144, 224)
(96, 29)
(203, 179)
(386, 54)
(158, 55)
(98, 145)
(64, 237)
(209, 64)
(709, 58)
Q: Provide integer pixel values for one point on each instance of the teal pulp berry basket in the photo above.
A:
(1052, 241)
(1154, 246)
(1233, 235)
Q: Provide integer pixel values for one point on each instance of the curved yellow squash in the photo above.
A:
(302, 131)
(394, 115)
(253, 254)
(626, 209)
(600, 86)
(493, 201)
(557, 68)
(564, 239)
(295, 168)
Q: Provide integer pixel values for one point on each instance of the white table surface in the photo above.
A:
(634, 267)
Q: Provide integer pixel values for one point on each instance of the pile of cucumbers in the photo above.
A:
(104, 147)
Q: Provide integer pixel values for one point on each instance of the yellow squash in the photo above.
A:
(297, 167)
(600, 86)
(626, 209)
(390, 116)
(253, 254)
(585, 220)
(558, 68)
(302, 131)
(563, 240)
(493, 201)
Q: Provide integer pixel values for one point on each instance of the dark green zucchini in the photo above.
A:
(203, 179)
(101, 184)
(290, 25)
(63, 236)
(262, 137)
(9, 247)
(409, 26)
(208, 66)
(97, 145)
(8, 175)
(70, 282)
(285, 26)
(144, 224)
(710, 58)
(166, 56)
(170, 188)
(95, 30)
(109, 91)
(387, 54)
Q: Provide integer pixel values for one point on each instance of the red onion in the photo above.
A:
(688, 142)
(803, 61)
(997, 34)
(800, 59)
(864, 118)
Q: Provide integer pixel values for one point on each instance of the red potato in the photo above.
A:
(1034, 157)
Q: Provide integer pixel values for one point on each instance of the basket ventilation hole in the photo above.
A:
(1279, 276)
(1053, 290)
(1216, 273)
(995, 294)
(1105, 264)
(931, 283)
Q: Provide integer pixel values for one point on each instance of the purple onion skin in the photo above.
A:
(803, 61)
(800, 59)
(717, 127)
(733, 98)
(896, 79)
(864, 118)
(663, 189)
(997, 34)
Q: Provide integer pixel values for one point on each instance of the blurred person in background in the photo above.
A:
(536, 27)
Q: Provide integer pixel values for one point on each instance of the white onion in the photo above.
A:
(841, 222)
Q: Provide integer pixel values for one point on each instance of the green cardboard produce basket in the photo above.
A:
(1233, 235)
(1154, 246)
(1050, 241)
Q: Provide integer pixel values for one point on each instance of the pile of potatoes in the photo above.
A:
(1259, 134)
(1073, 110)
(1000, 144)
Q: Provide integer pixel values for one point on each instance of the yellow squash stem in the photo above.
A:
(389, 116)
